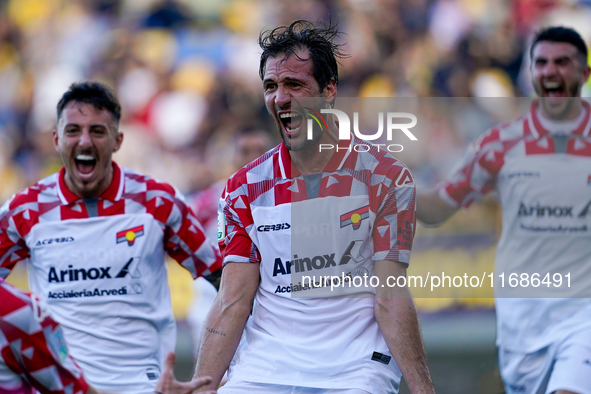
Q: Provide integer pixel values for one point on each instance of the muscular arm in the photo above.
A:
(431, 209)
(397, 318)
(226, 319)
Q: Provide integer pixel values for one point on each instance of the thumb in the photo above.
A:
(169, 362)
(167, 375)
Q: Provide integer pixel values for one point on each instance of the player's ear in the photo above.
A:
(586, 72)
(330, 92)
(55, 138)
(118, 140)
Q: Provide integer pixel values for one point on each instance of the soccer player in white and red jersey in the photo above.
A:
(541, 166)
(362, 203)
(94, 237)
(33, 352)
(34, 355)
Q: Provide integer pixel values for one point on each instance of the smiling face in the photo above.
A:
(287, 77)
(86, 138)
(557, 76)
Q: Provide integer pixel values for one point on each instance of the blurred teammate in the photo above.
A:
(34, 355)
(247, 145)
(33, 352)
(541, 166)
(94, 237)
(312, 345)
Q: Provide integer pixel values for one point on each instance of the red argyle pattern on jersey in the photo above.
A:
(525, 136)
(129, 193)
(29, 346)
(271, 180)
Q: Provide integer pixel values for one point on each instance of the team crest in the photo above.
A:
(130, 235)
(354, 218)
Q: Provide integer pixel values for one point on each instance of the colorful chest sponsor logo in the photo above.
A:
(354, 218)
(130, 235)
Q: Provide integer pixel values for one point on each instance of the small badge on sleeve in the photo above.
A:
(381, 358)
(221, 226)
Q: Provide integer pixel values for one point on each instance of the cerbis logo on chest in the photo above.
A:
(93, 273)
(50, 241)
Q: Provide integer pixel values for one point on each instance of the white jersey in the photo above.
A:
(99, 264)
(544, 181)
(360, 209)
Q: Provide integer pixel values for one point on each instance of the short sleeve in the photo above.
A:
(395, 221)
(39, 355)
(234, 221)
(476, 173)
(184, 238)
(12, 247)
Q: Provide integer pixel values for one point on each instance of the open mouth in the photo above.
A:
(85, 164)
(291, 121)
(554, 89)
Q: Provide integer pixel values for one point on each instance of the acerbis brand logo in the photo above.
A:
(130, 235)
(93, 273)
(50, 241)
(273, 227)
(354, 218)
(345, 129)
(404, 178)
(523, 174)
(352, 253)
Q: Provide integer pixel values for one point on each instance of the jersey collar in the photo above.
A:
(113, 192)
(537, 128)
(335, 163)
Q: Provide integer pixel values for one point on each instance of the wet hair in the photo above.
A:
(96, 94)
(560, 34)
(301, 34)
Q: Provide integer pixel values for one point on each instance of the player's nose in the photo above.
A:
(549, 69)
(85, 140)
(282, 97)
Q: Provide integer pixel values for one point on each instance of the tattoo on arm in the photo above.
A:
(215, 331)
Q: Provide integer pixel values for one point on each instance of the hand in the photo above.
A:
(167, 384)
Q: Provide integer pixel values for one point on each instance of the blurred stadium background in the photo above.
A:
(186, 72)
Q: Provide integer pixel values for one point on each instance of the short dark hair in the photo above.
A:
(302, 34)
(560, 34)
(94, 93)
